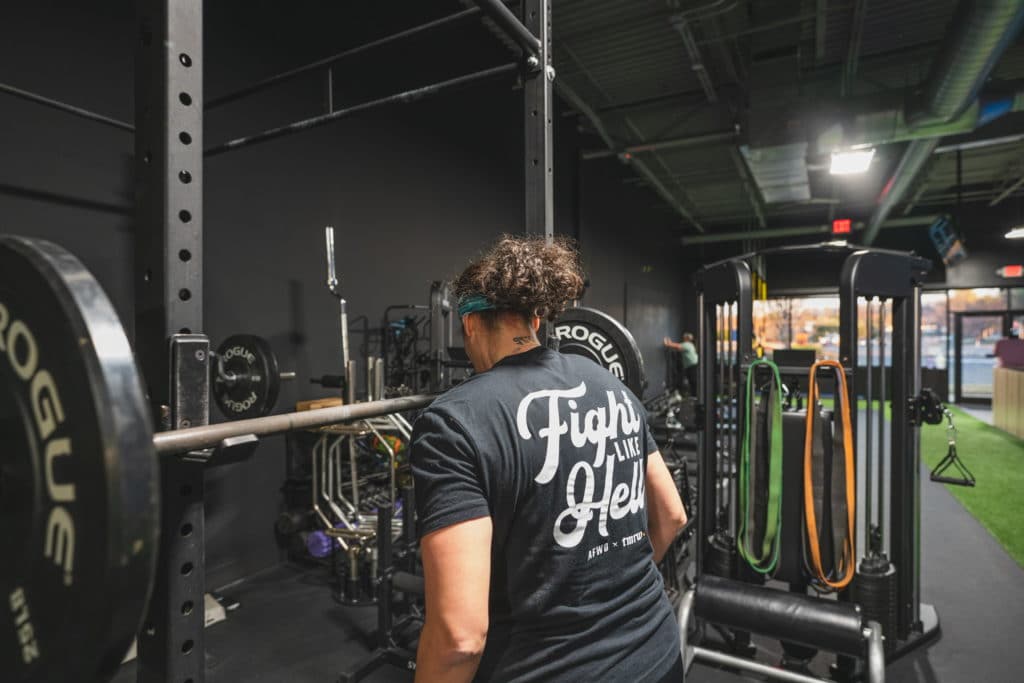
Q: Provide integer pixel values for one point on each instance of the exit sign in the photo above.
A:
(841, 226)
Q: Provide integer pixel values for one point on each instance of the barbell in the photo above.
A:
(79, 469)
(79, 494)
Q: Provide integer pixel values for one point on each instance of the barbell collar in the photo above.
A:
(208, 436)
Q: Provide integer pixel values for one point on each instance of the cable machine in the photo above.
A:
(835, 507)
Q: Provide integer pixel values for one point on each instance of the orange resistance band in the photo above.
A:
(847, 563)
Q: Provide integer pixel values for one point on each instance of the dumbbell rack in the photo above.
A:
(725, 303)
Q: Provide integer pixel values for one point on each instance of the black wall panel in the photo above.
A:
(413, 194)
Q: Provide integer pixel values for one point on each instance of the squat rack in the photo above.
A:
(172, 352)
(725, 302)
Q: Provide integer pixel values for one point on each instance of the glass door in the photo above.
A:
(975, 346)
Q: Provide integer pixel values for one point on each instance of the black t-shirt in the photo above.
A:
(554, 449)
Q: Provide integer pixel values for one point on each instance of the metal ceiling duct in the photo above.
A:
(780, 171)
(980, 32)
(884, 120)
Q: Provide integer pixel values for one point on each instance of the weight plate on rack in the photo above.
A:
(601, 338)
(246, 377)
(79, 498)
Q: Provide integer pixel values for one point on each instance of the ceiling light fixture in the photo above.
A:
(1016, 234)
(851, 161)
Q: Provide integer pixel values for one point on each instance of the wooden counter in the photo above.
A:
(1008, 400)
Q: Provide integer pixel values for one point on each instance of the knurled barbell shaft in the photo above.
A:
(208, 436)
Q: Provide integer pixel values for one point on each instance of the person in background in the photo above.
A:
(689, 357)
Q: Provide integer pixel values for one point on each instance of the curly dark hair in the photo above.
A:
(526, 275)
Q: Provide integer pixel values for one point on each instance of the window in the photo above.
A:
(798, 323)
(979, 299)
(934, 331)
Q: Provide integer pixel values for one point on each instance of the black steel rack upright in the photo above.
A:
(169, 306)
(726, 334)
(172, 351)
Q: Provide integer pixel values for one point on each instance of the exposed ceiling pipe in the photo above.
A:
(820, 24)
(682, 22)
(798, 231)
(917, 155)
(978, 144)
(888, 123)
(1013, 187)
(980, 32)
(657, 145)
(853, 49)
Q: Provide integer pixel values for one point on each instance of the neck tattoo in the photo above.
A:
(522, 341)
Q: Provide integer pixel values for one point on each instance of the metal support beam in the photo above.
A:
(35, 194)
(853, 48)
(820, 24)
(667, 195)
(682, 25)
(215, 102)
(67, 108)
(912, 204)
(529, 34)
(799, 231)
(749, 185)
(658, 145)
(538, 106)
(979, 144)
(168, 301)
(1013, 187)
(569, 95)
(914, 158)
(398, 98)
(684, 98)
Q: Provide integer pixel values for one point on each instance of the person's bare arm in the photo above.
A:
(457, 571)
(665, 512)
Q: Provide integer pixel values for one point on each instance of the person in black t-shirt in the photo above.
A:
(542, 501)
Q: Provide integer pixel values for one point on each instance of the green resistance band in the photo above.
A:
(764, 562)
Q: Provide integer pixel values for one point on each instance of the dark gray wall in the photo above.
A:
(413, 194)
(630, 245)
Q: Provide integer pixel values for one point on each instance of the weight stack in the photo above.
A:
(725, 561)
(721, 560)
(874, 589)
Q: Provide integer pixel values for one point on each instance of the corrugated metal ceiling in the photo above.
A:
(628, 62)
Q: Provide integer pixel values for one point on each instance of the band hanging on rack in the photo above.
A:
(766, 559)
(847, 561)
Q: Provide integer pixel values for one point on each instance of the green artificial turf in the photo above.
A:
(996, 459)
